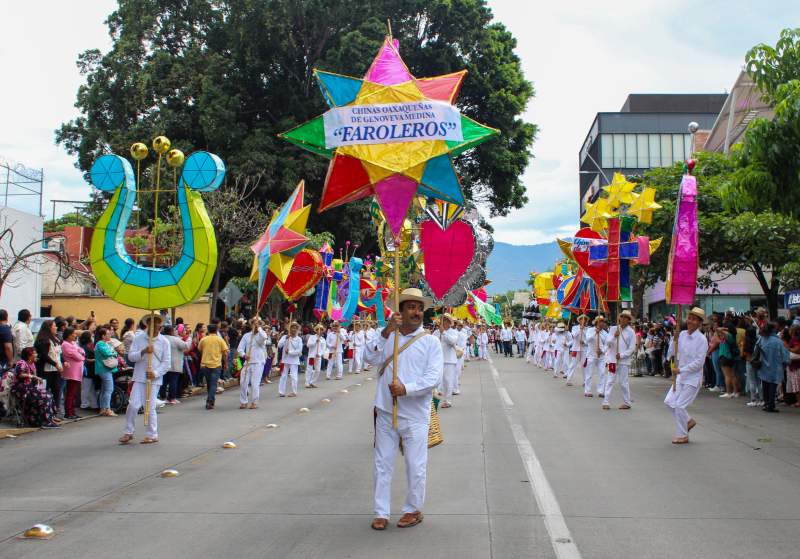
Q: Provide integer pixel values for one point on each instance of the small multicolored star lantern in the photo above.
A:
(596, 214)
(390, 135)
(643, 205)
(277, 247)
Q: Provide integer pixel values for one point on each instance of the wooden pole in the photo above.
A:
(676, 335)
(396, 333)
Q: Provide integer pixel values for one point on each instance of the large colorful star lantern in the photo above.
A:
(620, 191)
(390, 135)
(644, 204)
(597, 213)
(277, 247)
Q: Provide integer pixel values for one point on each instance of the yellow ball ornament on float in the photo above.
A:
(175, 158)
(139, 151)
(162, 144)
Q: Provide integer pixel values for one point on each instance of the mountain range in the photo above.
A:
(509, 266)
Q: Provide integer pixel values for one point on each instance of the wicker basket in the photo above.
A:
(434, 430)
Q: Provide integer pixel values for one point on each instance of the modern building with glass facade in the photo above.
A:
(651, 130)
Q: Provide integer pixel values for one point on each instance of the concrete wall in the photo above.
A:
(23, 289)
(105, 309)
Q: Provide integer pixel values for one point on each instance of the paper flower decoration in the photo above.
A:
(390, 135)
(277, 247)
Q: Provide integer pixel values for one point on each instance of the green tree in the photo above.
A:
(229, 75)
(770, 67)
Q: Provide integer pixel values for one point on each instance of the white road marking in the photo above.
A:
(560, 536)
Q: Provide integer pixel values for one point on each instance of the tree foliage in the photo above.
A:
(770, 67)
(229, 75)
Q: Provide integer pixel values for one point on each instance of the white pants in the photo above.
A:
(250, 378)
(593, 365)
(288, 371)
(624, 385)
(136, 401)
(678, 401)
(357, 362)
(459, 370)
(335, 359)
(449, 381)
(88, 393)
(531, 352)
(415, 447)
(312, 371)
(561, 361)
(483, 352)
(549, 357)
(574, 363)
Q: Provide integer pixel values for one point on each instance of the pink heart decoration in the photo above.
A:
(448, 254)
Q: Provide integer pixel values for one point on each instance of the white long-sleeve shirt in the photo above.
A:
(596, 340)
(292, 349)
(692, 349)
(358, 339)
(257, 347)
(506, 334)
(483, 339)
(520, 336)
(578, 338)
(333, 346)
(419, 370)
(317, 347)
(162, 357)
(449, 339)
(627, 345)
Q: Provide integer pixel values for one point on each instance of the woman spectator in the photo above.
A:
(728, 352)
(774, 357)
(793, 372)
(172, 378)
(38, 409)
(105, 365)
(48, 361)
(72, 372)
(88, 387)
(127, 334)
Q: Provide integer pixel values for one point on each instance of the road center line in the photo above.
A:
(560, 537)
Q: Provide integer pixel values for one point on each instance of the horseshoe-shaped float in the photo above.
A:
(145, 287)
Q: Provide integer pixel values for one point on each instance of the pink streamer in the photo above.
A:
(684, 250)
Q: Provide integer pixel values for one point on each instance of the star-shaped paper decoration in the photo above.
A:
(393, 172)
(597, 213)
(643, 205)
(281, 242)
(619, 191)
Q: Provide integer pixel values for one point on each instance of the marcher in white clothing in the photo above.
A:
(620, 347)
(577, 351)
(419, 370)
(357, 341)
(449, 338)
(687, 374)
(596, 339)
(522, 340)
(483, 343)
(463, 343)
(530, 351)
(292, 346)
(253, 350)
(336, 337)
(152, 359)
(561, 341)
(317, 351)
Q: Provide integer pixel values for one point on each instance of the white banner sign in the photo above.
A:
(390, 123)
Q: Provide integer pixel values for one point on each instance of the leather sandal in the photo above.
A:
(242, 406)
(691, 424)
(410, 519)
(379, 524)
(148, 440)
(624, 407)
(606, 407)
(680, 440)
(125, 439)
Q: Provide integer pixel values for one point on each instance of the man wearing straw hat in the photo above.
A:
(449, 338)
(620, 347)
(253, 349)
(577, 351)
(334, 341)
(688, 373)
(596, 339)
(152, 357)
(420, 363)
(317, 350)
(357, 341)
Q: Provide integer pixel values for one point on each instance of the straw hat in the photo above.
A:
(148, 317)
(414, 294)
(699, 313)
(599, 318)
(583, 317)
(319, 328)
(448, 316)
(561, 325)
(626, 313)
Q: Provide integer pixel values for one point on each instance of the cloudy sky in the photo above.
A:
(583, 57)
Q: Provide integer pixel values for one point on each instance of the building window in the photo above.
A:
(677, 147)
(606, 151)
(619, 151)
(655, 150)
(689, 148)
(630, 151)
(642, 159)
(666, 149)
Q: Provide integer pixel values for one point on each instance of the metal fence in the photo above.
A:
(21, 187)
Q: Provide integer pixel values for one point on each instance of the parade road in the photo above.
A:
(528, 468)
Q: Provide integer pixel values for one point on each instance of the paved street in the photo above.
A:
(610, 483)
